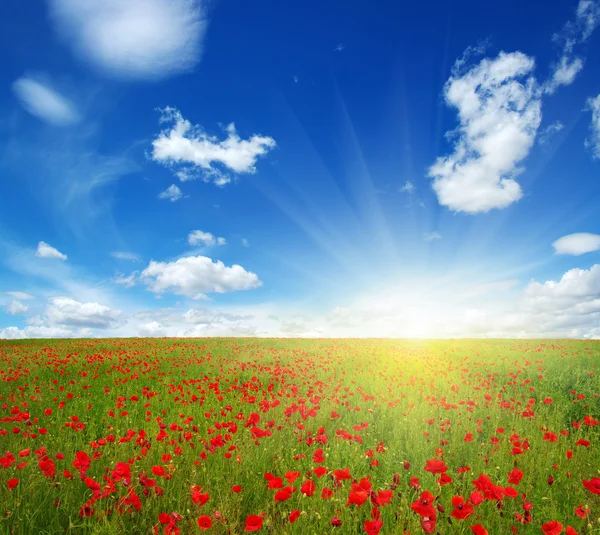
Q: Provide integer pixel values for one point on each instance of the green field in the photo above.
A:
(136, 435)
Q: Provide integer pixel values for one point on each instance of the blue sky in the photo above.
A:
(180, 168)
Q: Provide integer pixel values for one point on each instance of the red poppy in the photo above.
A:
(435, 466)
(593, 485)
(478, 529)
(571, 531)
(554, 527)
(424, 505)
(204, 522)
(253, 523)
(462, 509)
(294, 515)
(12, 483)
(373, 527)
(514, 477)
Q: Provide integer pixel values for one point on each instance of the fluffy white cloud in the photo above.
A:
(198, 237)
(151, 329)
(22, 296)
(564, 73)
(593, 141)
(549, 132)
(143, 39)
(47, 251)
(432, 236)
(65, 311)
(172, 193)
(123, 255)
(575, 285)
(192, 276)
(16, 308)
(245, 242)
(45, 103)
(499, 111)
(14, 333)
(574, 32)
(577, 244)
(192, 153)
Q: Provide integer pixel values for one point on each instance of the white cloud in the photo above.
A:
(197, 237)
(593, 141)
(22, 296)
(577, 244)
(564, 73)
(136, 39)
(432, 236)
(127, 281)
(573, 33)
(193, 153)
(152, 328)
(549, 132)
(172, 193)
(14, 333)
(499, 111)
(408, 187)
(123, 255)
(575, 287)
(45, 103)
(16, 308)
(192, 276)
(65, 311)
(245, 242)
(46, 251)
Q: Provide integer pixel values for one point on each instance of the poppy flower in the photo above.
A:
(204, 522)
(253, 523)
(12, 483)
(373, 527)
(571, 531)
(462, 509)
(478, 529)
(435, 466)
(554, 527)
(514, 477)
(294, 515)
(593, 485)
(424, 505)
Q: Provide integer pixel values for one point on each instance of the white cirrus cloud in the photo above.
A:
(47, 251)
(574, 32)
(124, 255)
(172, 193)
(577, 244)
(593, 140)
(198, 237)
(16, 308)
(135, 39)
(549, 132)
(499, 110)
(193, 276)
(408, 187)
(432, 236)
(192, 153)
(44, 102)
(126, 280)
(66, 311)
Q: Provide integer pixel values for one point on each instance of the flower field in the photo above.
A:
(299, 436)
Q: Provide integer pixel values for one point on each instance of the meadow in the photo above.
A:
(299, 436)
